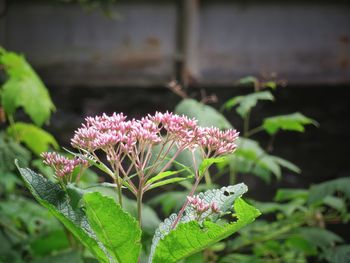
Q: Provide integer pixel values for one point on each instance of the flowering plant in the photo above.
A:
(137, 155)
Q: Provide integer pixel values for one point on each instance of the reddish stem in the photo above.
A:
(186, 203)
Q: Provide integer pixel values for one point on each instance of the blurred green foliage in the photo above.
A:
(295, 224)
(28, 232)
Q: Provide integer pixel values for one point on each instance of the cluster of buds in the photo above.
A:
(104, 131)
(200, 207)
(217, 142)
(134, 140)
(62, 165)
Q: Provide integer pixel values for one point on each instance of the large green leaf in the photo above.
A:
(167, 240)
(24, 88)
(320, 191)
(206, 115)
(117, 230)
(191, 237)
(58, 202)
(10, 150)
(251, 158)
(291, 122)
(246, 103)
(35, 138)
(320, 237)
(338, 254)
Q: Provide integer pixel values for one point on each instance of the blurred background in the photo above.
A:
(123, 56)
(102, 57)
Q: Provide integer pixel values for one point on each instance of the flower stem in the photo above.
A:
(119, 190)
(246, 125)
(139, 207)
(186, 202)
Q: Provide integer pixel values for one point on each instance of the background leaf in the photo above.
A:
(35, 138)
(291, 122)
(246, 103)
(24, 88)
(206, 115)
(320, 191)
(56, 200)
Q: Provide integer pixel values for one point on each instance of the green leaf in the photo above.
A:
(246, 103)
(251, 158)
(35, 138)
(191, 237)
(162, 175)
(338, 254)
(320, 237)
(56, 200)
(270, 84)
(169, 181)
(290, 194)
(224, 198)
(241, 258)
(286, 208)
(248, 80)
(300, 244)
(320, 191)
(53, 241)
(335, 202)
(117, 230)
(206, 163)
(10, 150)
(287, 164)
(291, 122)
(24, 88)
(206, 115)
(66, 257)
(27, 217)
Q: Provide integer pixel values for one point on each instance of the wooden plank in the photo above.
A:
(223, 41)
(303, 43)
(190, 38)
(69, 46)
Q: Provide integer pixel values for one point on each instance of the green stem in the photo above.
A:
(207, 178)
(254, 131)
(186, 202)
(119, 189)
(246, 125)
(139, 206)
(233, 171)
(12, 123)
(233, 176)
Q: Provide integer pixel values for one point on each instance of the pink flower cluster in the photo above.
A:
(105, 131)
(201, 206)
(218, 142)
(62, 165)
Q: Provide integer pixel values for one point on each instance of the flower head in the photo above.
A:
(201, 206)
(217, 142)
(62, 165)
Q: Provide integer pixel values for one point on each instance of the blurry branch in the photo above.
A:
(175, 87)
